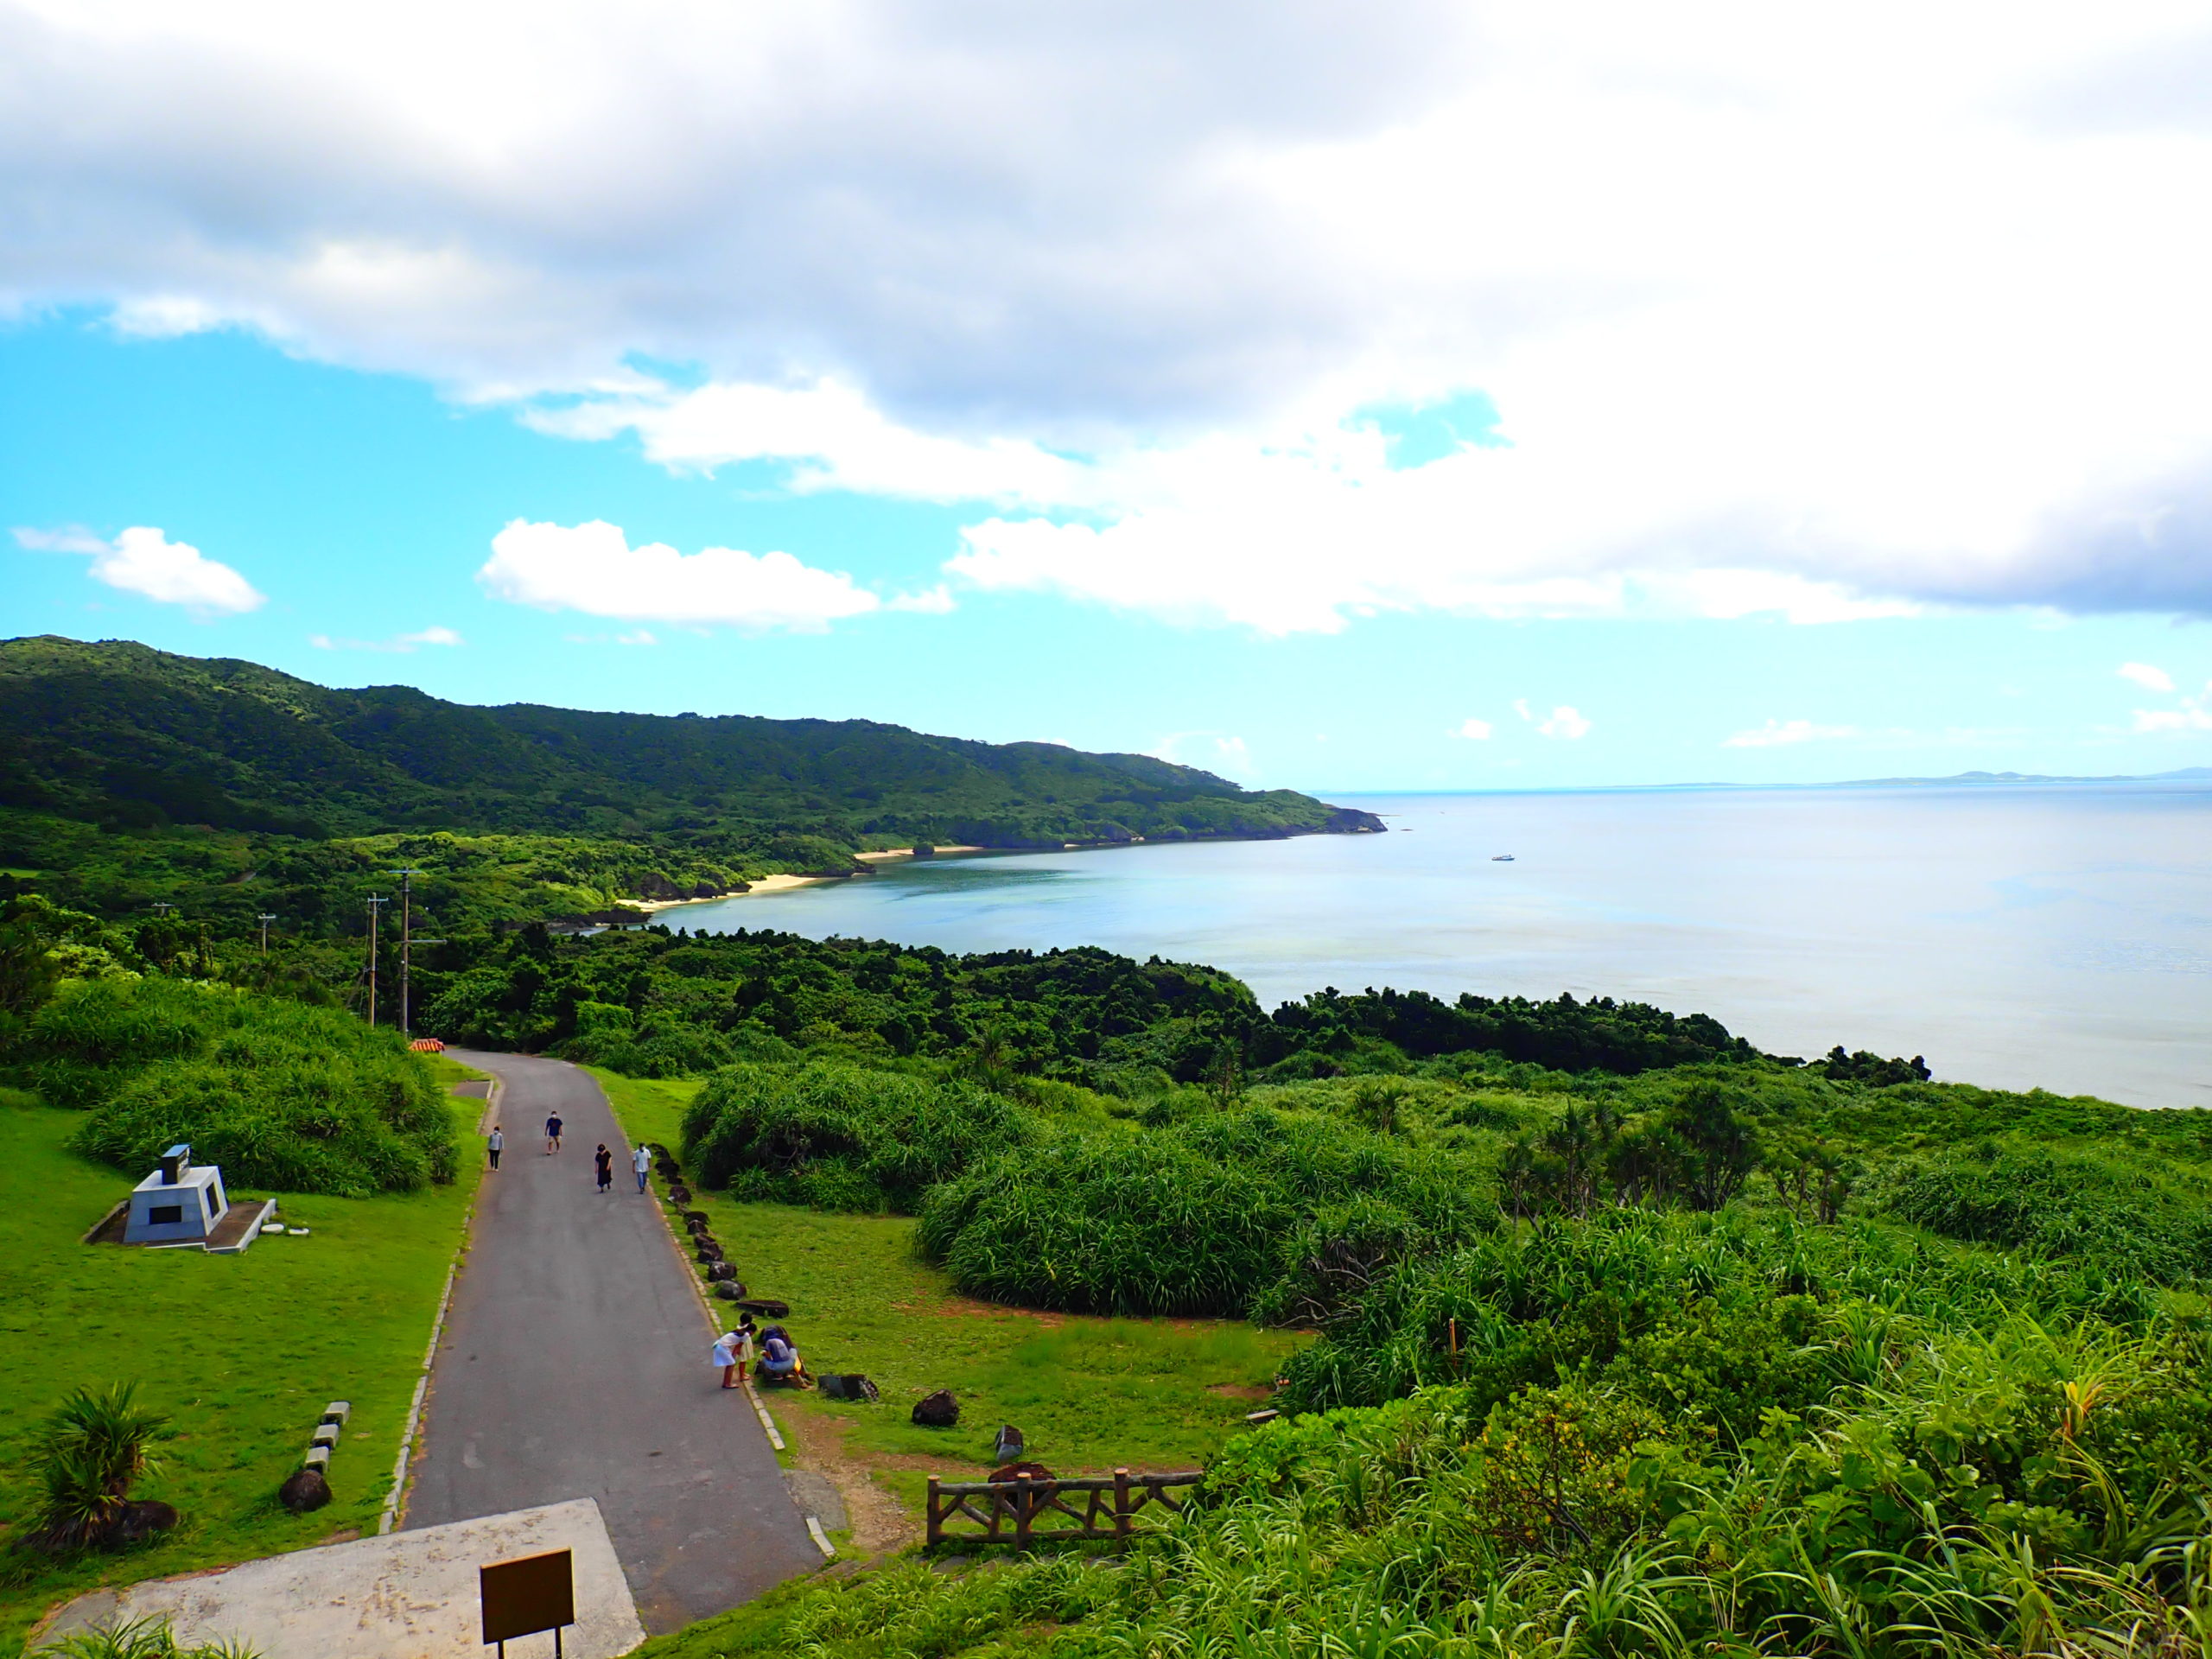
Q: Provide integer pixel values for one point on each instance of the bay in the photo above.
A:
(2017, 935)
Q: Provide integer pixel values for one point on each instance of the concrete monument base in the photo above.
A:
(406, 1595)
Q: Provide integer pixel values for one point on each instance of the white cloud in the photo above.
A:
(1474, 730)
(2191, 716)
(2150, 679)
(1564, 721)
(403, 643)
(1754, 354)
(593, 568)
(143, 561)
(934, 601)
(1776, 733)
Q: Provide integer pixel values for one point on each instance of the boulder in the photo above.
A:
(1021, 1472)
(679, 1195)
(698, 1216)
(767, 1310)
(847, 1385)
(717, 1271)
(1009, 1447)
(308, 1489)
(140, 1520)
(729, 1291)
(939, 1410)
(709, 1251)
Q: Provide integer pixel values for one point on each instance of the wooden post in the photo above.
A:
(1021, 1512)
(1121, 1503)
(937, 1514)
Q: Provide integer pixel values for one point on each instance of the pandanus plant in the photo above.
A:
(91, 1451)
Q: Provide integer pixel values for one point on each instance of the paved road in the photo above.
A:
(574, 1364)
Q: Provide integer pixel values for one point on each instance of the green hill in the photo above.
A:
(120, 733)
(130, 776)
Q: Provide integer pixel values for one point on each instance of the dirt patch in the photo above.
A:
(880, 1523)
(1253, 1391)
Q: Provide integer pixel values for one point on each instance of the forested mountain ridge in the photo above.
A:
(122, 734)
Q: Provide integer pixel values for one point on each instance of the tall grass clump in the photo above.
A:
(842, 1137)
(1258, 1211)
(281, 1094)
(2054, 1205)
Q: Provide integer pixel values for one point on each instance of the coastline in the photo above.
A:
(768, 884)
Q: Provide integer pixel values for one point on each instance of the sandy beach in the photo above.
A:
(768, 884)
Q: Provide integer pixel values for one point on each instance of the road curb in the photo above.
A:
(395, 1502)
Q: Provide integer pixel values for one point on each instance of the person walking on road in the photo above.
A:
(495, 1144)
(641, 1160)
(553, 1134)
(603, 1160)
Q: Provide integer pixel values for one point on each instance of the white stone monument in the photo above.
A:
(178, 1204)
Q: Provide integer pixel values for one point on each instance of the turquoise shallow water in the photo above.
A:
(2047, 935)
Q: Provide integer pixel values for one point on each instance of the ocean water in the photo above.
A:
(2057, 936)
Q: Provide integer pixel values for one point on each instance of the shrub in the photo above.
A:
(2052, 1205)
(841, 1137)
(281, 1094)
(1222, 1214)
(89, 1454)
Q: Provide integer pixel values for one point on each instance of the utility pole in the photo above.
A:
(374, 912)
(406, 939)
(266, 918)
(407, 942)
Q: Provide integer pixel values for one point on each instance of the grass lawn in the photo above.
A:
(1089, 1393)
(242, 1352)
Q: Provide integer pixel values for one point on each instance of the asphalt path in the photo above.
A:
(574, 1364)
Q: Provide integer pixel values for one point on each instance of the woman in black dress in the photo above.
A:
(605, 1160)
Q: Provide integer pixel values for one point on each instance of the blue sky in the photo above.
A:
(362, 507)
(1466, 398)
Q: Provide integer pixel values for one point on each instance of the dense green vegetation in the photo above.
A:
(281, 1094)
(1084, 1015)
(130, 776)
(1614, 1355)
(838, 1137)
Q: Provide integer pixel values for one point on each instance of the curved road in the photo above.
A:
(574, 1364)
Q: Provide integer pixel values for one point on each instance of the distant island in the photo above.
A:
(132, 777)
(1970, 778)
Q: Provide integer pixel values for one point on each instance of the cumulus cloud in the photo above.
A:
(403, 643)
(1776, 733)
(1476, 731)
(143, 561)
(2188, 714)
(592, 568)
(1131, 275)
(1566, 723)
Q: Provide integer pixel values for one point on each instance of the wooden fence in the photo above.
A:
(1008, 1511)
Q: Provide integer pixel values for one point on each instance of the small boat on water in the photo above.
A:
(1501, 858)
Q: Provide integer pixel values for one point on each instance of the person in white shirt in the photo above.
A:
(729, 1353)
(641, 1160)
(495, 1144)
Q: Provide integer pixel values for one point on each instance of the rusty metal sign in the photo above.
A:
(527, 1595)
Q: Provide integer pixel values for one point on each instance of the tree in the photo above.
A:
(1720, 1150)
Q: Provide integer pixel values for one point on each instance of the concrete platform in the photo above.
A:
(407, 1595)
